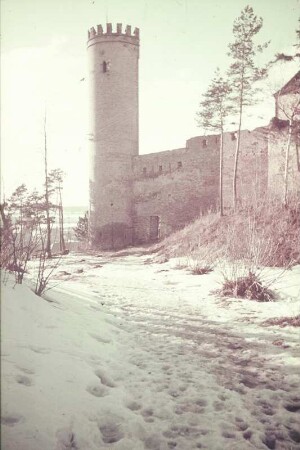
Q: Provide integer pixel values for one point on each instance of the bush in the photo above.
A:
(249, 286)
(201, 270)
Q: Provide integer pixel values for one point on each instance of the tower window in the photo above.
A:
(144, 170)
(160, 168)
(106, 66)
(179, 164)
(204, 143)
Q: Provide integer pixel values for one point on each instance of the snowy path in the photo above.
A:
(160, 363)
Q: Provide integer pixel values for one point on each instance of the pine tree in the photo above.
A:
(214, 110)
(55, 182)
(47, 194)
(81, 229)
(243, 72)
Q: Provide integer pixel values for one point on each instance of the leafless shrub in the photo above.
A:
(23, 236)
(202, 261)
(249, 286)
(44, 273)
(201, 270)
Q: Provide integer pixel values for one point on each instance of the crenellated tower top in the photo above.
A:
(100, 35)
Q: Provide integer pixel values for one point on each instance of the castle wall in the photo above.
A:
(278, 138)
(178, 185)
(252, 173)
(135, 199)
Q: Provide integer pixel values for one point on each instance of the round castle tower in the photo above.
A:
(113, 81)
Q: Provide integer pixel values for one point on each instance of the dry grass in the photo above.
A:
(250, 287)
(284, 321)
(265, 235)
(201, 270)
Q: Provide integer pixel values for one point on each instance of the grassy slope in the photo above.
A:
(268, 235)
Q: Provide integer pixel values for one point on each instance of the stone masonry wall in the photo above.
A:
(278, 138)
(252, 173)
(177, 186)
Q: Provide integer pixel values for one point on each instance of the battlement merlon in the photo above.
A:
(133, 38)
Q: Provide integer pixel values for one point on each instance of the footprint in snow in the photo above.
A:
(11, 420)
(23, 379)
(218, 406)
(105, 380)
(111, 432)
(26, 370)
(293, 405)
(228, 435)
(66, 440)
(241, 424)
(133, 406)
(41, 350)
(100, 338)
(97, 390)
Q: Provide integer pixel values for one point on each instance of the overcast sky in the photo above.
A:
(44, 59)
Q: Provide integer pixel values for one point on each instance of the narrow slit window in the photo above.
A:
(104, 65)
(179, 164)
(204, 143)
(160, 169)
(144, 170)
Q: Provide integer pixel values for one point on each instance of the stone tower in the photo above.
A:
(113, 106)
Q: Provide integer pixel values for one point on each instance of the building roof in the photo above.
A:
(293, 85)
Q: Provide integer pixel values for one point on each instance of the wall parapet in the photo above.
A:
(99, 32)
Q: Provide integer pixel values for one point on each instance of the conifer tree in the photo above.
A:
(214, 110)
(243, 72)
(81, 229)
(55, 183)
(49, 220)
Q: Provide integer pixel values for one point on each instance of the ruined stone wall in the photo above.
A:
(278, 138)
(252, 173)
(177, 186)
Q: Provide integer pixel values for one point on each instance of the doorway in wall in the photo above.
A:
(154, 228)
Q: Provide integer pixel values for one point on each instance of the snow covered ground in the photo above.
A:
(128, 354)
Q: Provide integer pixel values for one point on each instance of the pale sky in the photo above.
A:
(44, 58)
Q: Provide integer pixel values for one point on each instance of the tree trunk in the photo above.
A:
(286, 168)
(61, 224)
(221, 172)
(47, 206)
(236, 157)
